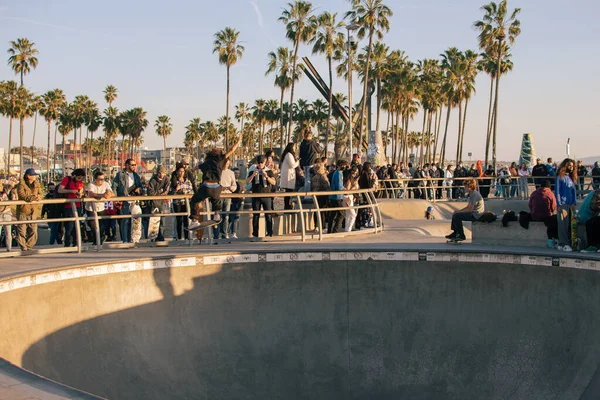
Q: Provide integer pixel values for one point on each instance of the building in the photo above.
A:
(154, 157)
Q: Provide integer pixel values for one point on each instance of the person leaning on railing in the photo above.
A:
(262, 179)
(336, 217)
(72, 188)
(98, 189)
(127, 182)
(29, 190)
(320, 183)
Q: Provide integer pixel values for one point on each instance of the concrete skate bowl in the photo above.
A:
(328, 325)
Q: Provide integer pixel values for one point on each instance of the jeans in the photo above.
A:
(592, 229)
(55, 234)
(70, 234)
(204, 192)
(350, 214)
(513, 189)
(125, 223)
(564, 225)
(267, 205)
(457, 221)
(234, 219)
(181, 221)
(223, 227)
(335, 217)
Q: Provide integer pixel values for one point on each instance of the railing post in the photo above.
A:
(371, 200)
(190, 234)
(97, 228)
(302, 219)
(207, 214)
(77, 226)
(319, 219)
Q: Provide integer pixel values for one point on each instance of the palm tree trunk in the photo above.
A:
(165, 150)
(443, 156)
(363, 121)
(48, 154)
(74, 146)
(289, 133)
(437, 133)
(464, 124)
(378, 104)
(33, 140)
(428, 148)
(406, 118)
(8, 157)
(329, 110)
(54, 152)
(489, 122)
(226, 115)
(458, 149)
(281, 129)
(387, 134)
(21, 136)
(63, 157)
(423, 137)
(499, 64)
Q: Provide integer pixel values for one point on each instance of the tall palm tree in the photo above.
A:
(35, 105)
(379, 71)
(301, 26)
(22, 56)
(137, 123)
(110, 94)
(280, 63)
(497, 29)
(164, 128)
(469, 73)
(260, 117)
(327, 41)
(372, 18)
(319, 115)
(230, 51)
(91, 120)
(9, 91)
(451, 60)
(193, 133)
(210, 132)
(64, 128)
(110, 124)
(23, 110)
(52, 103)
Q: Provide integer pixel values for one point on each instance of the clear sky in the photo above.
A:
(159, 55)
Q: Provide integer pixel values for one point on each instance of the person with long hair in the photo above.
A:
(350, 177)
(289, 162)
(566, 199)
(472, 212)
(514, 184)
(523, 181)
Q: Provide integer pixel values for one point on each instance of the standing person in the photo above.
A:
(581, 174)
(460, 172)
(486, 183)
(505, 181)
(596, 176)
(473, 211)
(288, 173)
(566, 199)
(6, 215)
(187, 172)
(52, 211)
(350, 183)
(236, 205)
(270, 161)
(589, 214)
(211, 168)
(336, 217)
(181, 185)
(523, 181)
(262, 179)
(310, 151)
(539, 173)
(320, 183)
(514, 179)
(127, 182)
(229, 184)
(159, 185)
(28, 189)
(72, 187)
(98, 189)
(448, 182)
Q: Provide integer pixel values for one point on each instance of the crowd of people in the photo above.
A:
(299, 169)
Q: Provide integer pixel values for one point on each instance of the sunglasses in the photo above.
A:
(132, 165)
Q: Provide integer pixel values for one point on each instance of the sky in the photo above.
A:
(159, 56)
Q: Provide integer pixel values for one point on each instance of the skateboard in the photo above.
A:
(153, 225)
(574, 239)
(136, 223)
(454, 241)
(204, 224)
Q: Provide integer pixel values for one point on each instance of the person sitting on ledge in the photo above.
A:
(473, 211)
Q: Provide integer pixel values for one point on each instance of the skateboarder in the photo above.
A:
(211, 168)
(473, 211)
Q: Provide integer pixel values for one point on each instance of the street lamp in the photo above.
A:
(350, 27)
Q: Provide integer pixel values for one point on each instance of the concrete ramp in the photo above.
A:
(359, 329)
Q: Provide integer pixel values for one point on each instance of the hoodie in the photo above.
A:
(565, 191)
(542, 204)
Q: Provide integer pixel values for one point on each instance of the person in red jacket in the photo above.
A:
(542, 202)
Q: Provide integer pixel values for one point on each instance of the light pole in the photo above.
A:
(350, 27)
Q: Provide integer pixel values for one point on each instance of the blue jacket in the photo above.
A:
(565, 191)
(119, 184)
(337, 183)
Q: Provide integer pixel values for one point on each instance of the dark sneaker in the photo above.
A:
(451, 236)
(460, 238)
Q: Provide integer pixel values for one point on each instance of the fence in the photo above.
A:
(304, 213)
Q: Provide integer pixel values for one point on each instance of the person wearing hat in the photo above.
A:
(159, 185)
(188, 174)
(29, 190)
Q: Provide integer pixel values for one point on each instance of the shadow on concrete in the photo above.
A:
(360, 329)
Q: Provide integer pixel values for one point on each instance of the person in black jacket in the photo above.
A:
(53, 211)
(188, 174)
(539, 172)
(310, 151)
(581, 174)
(159, 185)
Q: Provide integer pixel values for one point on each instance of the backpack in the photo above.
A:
(62, 195)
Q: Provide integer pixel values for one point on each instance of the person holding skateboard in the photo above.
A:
(566, 199)
(211, 168)
(472, 212)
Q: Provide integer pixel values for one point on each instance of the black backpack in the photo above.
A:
(62, 195)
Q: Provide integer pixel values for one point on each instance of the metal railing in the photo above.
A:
(304, 213)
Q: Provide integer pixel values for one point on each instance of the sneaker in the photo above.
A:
(550, 243)
(451, 236)
(226, 236)
(590, 249)
(234, 236)
(460, 238)
(193, 225)
(565, 248)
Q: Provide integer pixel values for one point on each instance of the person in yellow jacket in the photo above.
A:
(28, 189)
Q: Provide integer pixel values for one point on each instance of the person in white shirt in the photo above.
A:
(523, 181)
(448, 174)
(288, 172)
(228, 183)
(98, 189)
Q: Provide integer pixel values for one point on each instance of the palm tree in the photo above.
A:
(497, 29)
(23, 110)
(64, 128)
(451, 59)
(92, 122)
(328, 40)
(22, 56)
(136, 122)
(302, 116)
(372, 18)
(193, 133)
(110, 94)
(271, 116)
(319, 115)
(9, 91)
(301, 26)
(379, 71)
(280, 63)
(260, 117)
(52, 103)
(164, 127)
(211, 133)
(229, 51)
(35, 105)
(242, 111)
